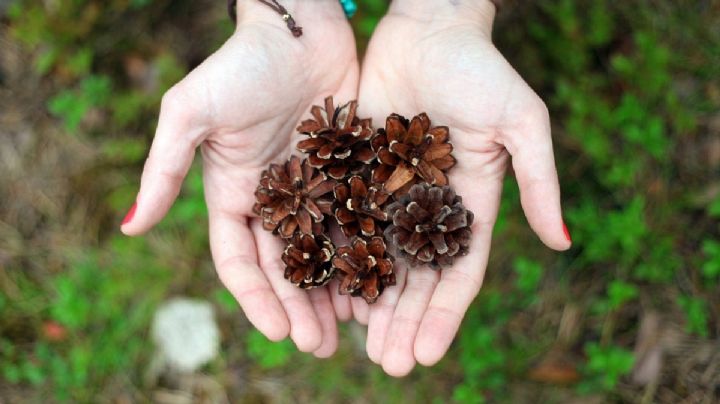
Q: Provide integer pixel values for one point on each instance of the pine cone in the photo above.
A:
(430, 226)
(365, 268)
(359, 207)
(411, 152)
(338, 143)
(292, 196)
(307, 259)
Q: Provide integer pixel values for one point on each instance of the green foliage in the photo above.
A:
(529, 273)
(268, 354)
(72, 105)
(226, 300)
(605, 367)
(714, 207)
(102, 308)
(711, 266)
(614, 235)
(620, 293)
(70, 39)
(489, 359)
(370, 13)
(696, 314)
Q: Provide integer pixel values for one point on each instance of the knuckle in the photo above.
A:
(537, 112)
(168, 99)
(173, 99)
(542, 109)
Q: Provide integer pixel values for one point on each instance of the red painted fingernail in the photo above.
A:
(130, 214)
(567, 233)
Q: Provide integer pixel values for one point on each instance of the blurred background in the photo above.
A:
(630, 314)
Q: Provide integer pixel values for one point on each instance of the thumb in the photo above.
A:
(530, 145)
(171, 155)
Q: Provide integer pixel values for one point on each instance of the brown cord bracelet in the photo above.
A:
(273, 4)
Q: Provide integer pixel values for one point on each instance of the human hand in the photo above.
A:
(241, 106)
(438, 57)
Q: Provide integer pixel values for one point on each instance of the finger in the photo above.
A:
(381, 314)
(171, 155)
(341, 303)
(234, 253)
(305, 328)
(460, 283)
(325, 312)
(398, 353)
(530, 146)
(360, 309)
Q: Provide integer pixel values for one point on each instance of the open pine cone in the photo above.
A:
(339, 140)
(411, 152)
(359, 207)
(365, 268)
(307, 259)
(430, 226)
(293, 196)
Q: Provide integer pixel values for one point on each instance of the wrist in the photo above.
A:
(305, 12)
(478, 12)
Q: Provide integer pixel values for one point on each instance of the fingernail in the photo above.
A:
(130, 214)
(567, 233)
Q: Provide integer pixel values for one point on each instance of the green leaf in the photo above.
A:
(96, 90)
(711, 266)
(128, 106)
(11, 373)
(69, 107)
(714, 208)
(45, 61)
(124, 149)
(696, 315)
(80, 62)
(606, 365)
(529, 273)
(268, 354)
(33, 373)
(226, 300)
(620, 293)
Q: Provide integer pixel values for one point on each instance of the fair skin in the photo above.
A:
(448, 68)
(437, 56)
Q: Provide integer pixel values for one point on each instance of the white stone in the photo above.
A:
(186, 333)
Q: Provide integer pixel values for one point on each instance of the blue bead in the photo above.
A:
(349, 6)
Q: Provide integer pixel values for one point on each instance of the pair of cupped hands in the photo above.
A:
(241, 107)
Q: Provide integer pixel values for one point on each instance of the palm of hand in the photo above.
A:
(241, 106)
(456, 75)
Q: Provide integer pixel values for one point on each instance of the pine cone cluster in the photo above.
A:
(384, 188)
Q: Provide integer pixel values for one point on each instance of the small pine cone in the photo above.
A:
(359, 208)
(308, 260)
(410, 152)
(365, 268)
(338, 142)
(293, 196)
(430, 226)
